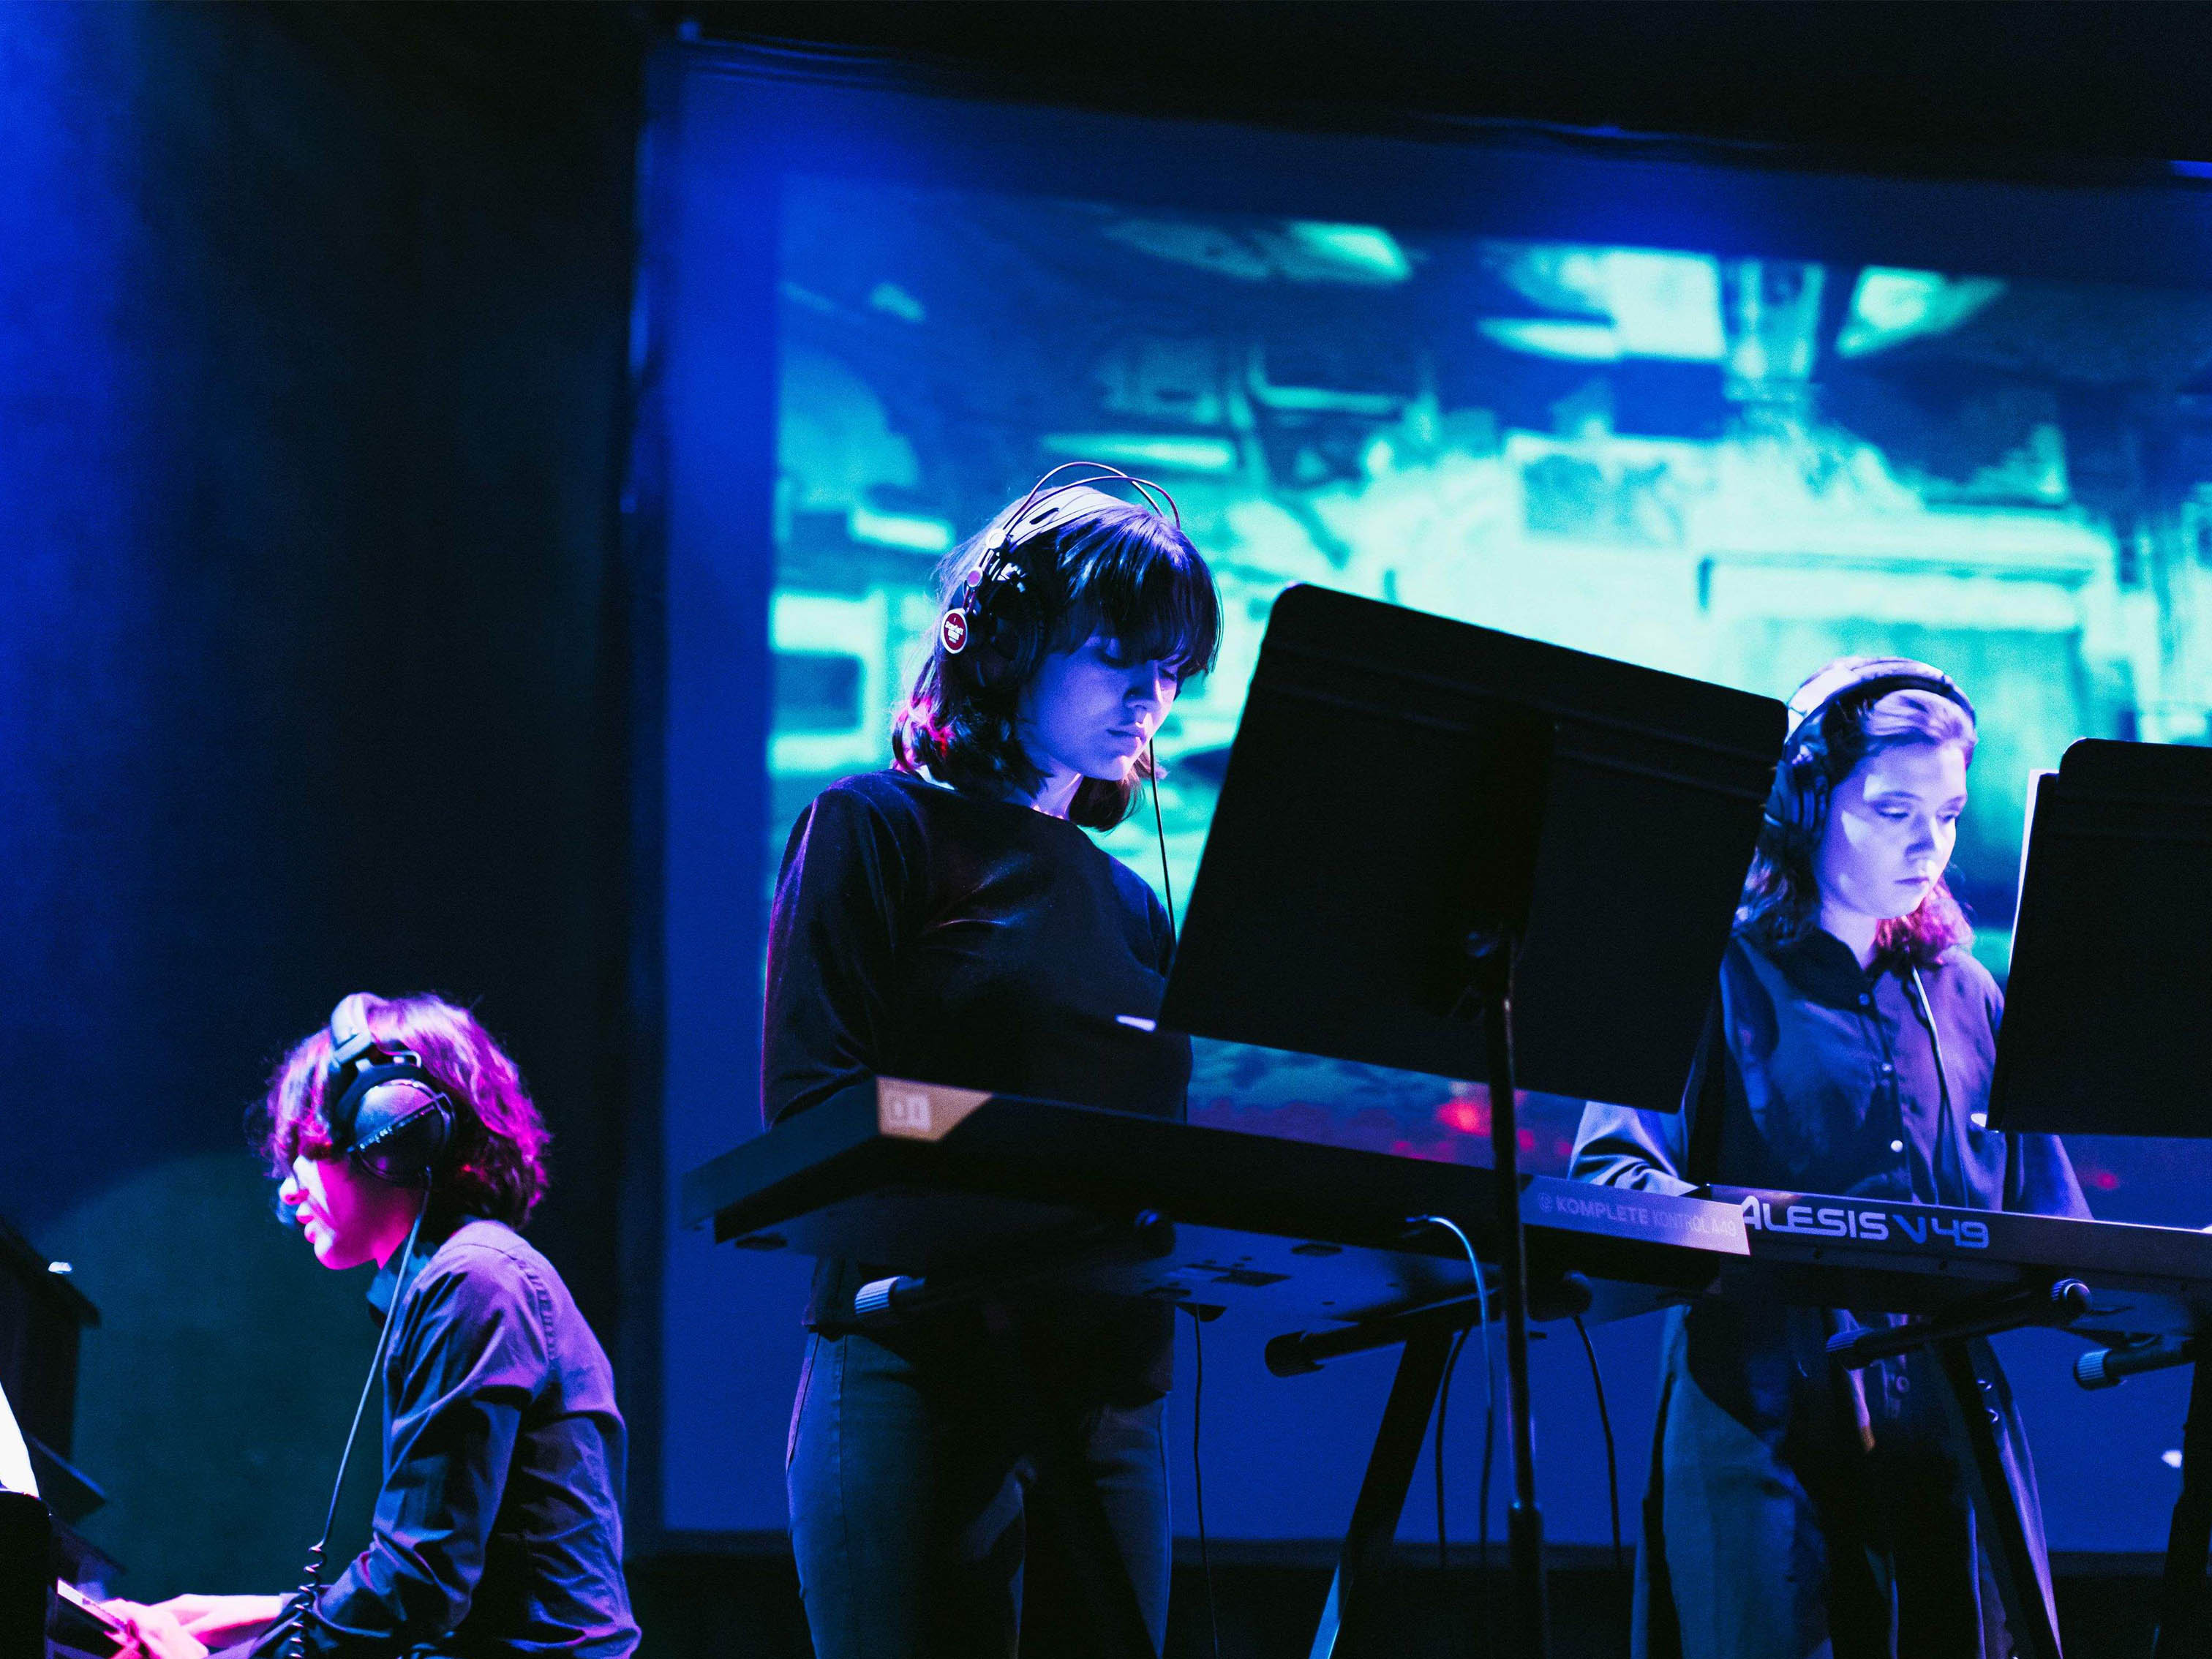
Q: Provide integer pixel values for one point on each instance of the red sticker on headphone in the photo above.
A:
(953, 630)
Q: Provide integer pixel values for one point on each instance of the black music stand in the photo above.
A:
(2108, 1017)
(2108, 1010)
(1446, 849)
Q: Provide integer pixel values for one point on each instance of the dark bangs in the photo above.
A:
(1114, 569)
(1134, 578)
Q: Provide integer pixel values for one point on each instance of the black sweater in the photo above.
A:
(924, 934)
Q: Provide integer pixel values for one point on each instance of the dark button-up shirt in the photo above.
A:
(1833, 1086)
(1829, 1084)
(498, 1528)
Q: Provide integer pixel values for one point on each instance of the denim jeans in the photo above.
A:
(909, 1472)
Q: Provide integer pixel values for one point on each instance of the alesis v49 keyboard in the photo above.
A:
(1921, 1259)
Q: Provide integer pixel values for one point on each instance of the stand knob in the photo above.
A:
(2107, 1368)
(874, 1303)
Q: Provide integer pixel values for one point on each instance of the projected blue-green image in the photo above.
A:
(1729, 467)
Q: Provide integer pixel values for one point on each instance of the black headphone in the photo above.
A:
(1797, 804)
(998, 612)
(386, 1113)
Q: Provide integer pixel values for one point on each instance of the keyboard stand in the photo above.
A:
(1428, 1333)
(1382, 1491)
(2031, 1614)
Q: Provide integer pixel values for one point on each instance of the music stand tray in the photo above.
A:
(1447, 849)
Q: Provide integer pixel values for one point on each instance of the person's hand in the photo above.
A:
(153, 1633)
(219, 1621)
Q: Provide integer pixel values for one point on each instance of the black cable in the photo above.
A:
(1167, 890)
(294, 1614)
(1167, 887)
(1934, 1037)
(1443, 1401)
(1443, 1405)
(1946, 1118)
(1605, 1422)
(1198, 1473)
(1482, 1535)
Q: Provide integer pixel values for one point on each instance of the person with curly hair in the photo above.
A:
(498, 1526)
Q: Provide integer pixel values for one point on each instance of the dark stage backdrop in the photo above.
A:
(1726, 416)
(312, 669)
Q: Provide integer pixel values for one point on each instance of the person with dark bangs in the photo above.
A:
(1796, 1508)
(949, 921)
(497, 1529)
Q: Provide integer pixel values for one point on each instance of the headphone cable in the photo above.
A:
(293, 1619)
(1946, 1121)
(1159, 825)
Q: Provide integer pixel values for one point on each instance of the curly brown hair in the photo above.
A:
(496, 1164)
